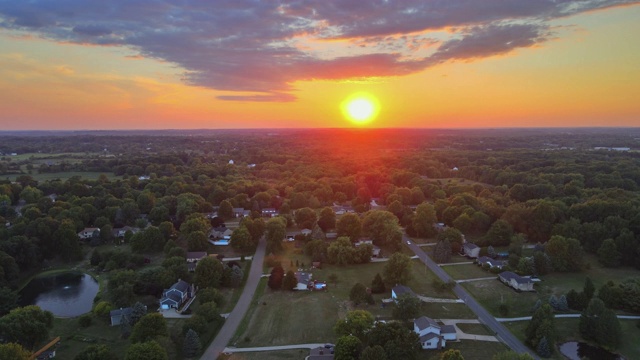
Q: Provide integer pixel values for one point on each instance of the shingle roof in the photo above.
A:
(470, 246)
(424, 322)
(119, 312)
(428, 336)
(508, 275)
(181, 285)
(401, 289)
(448, 329)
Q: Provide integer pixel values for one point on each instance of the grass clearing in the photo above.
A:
(466, 271)
(447, 311)
(470, 350)
(74, 339)
(296, 354)
(492, 293)
(475, 329)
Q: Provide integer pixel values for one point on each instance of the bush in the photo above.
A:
(84, 320)
(503, 309)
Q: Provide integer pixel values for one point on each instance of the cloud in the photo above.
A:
(248, 46)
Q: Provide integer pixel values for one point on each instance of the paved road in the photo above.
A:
(235, 317)
(501, 332)
(273, 348)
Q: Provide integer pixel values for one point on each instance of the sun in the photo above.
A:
(360, 108)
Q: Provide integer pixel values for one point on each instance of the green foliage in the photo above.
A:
(599, 324)
(148, 327)
(210, 295)
(13, 351)
(398, 340)
(397, 270)
(276, 278)
(327, 219)
(442, 251)
(357, 323)
(451, 354)
(377, 285)
(84, 320)
(8, 300)
(543, 348)
(424, 221)
(341, 252)
(383, 228)
(196, 323)
(150, 350)
(373, 352)
(241, 239)
(26, 326)
(565, 253)
(349, 225)
(306, 218)
(541, 325)
(500, 233)
(276, 229)
(191, 346)
(608, 254)
(407, 307)
(511, 355)
(348, 347)
(289, 282)
(358, 293)
(208, 273)
(96, 352)
(225, 210)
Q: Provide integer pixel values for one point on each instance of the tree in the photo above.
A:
(13, 351)
(225, 210)
(349, 225)
(442, 251)
(543, 348)
(397, 270)
(511, 355)
(150, 350)
(588, 289)
(341, 252)
(241, 239)
(347, 348)
(382, 227)
(208, 311)
(96, 352)
(306, 218)
(289, 282)
(358, 293)
(276, 230)
(424, 221)
(192, 345)
(69, 243)
(499, 233)
(377, 285)
(8, 300)
(148, 327)
(565, 253)
(356, 323)
(26, 326)
(327, 220)
(398, 341)
(451, 354)
(375, 352)
(208, 273)
(541, 325)
(599, 324)
(138, 311)
(608, 254)
(197, 241)
(407, 307)
(541, 263)
(276, 277)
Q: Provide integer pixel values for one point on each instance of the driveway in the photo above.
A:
(235, 317)
(483, 315)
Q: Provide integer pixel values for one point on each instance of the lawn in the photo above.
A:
(567, 330)
(492, 293)
(470, 350)
(74, 339)
(466, 271)
(475, 329)
(296, 354)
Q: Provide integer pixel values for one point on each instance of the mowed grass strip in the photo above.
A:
(467, 271)
(296, 354)
(475, 329)
(492, 293)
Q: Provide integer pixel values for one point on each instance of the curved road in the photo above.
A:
(235, 317)
(483, 315)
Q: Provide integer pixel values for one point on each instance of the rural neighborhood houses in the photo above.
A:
(176, 295)
(516, 281)
(433, 335)
(491, 263)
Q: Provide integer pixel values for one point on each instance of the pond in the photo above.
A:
(578, 350)
(65, 295)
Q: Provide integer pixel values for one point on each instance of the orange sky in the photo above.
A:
(587, 73)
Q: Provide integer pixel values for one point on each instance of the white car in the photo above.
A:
(408, 242)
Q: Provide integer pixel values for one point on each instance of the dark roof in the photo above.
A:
(424, 322)
(196, 255)
(401, 289)
(470, 246)
(119, 312)
(314, 354)
(303, 277)
(181, 286)
(508, 275)
(428, 336)
(448, 329)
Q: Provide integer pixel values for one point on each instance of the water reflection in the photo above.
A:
(578, 351)
(65, 295)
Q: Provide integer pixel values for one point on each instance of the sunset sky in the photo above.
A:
(154, 64)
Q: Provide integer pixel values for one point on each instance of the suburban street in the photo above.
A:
(483, 315)
(235, 317)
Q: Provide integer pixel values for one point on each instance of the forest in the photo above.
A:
(568, 192)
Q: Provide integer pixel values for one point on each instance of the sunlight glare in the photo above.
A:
(360, 108)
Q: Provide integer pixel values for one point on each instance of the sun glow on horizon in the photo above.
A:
(360, 108)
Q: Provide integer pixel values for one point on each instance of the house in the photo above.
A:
(440, 227)
(304, 279)
(401, 290)
(375, 252)
(238, 212)
(339, 210)
(321, 353)
(121, 232)
(49, 354)
(493, 263)
(176, 295)
(221, 242)
(220, 232)
(269, 212)
(471, 250)
(88, 233)
(193, 257)
(433, 335)
(331, 235)
(516, 281)
(306, 232)
(118, 314)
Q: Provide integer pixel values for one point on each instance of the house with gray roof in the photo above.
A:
(516, 281)
(176, 295)
(119, 314)
(399, 290)
(433, 335)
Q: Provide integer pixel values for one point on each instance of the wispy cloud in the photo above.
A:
(248, 45)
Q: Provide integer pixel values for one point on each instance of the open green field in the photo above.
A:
(492, 293)
(567, 330)
(475, 329)
(296, 354)
(470, 350)
(466, 271)
(74, 339)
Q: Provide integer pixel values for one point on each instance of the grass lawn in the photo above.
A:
(492, 293)
(447, 311)
(74, 339)
(475, 329)
(296, 354)
(567, 330)
(466, 271)
(470, 350)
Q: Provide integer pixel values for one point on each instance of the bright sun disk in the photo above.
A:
(360, 108)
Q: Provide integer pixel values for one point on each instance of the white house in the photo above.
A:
(401, 290)
(303, 280)
(88, 233)
(471, 250)
(196, 256)
(433, 335)
(516, 281)
(176, 295)
(269, 212)
(493, 263)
